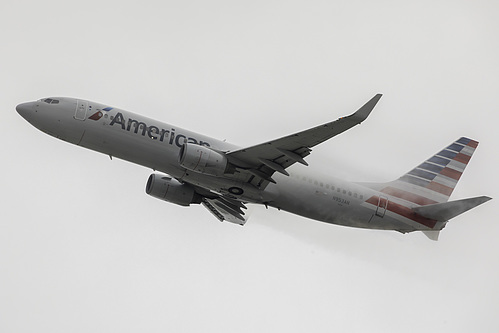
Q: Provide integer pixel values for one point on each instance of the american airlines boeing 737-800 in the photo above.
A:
(224, 178)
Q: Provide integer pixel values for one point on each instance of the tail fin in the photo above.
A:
(426, 189)
(433, 181)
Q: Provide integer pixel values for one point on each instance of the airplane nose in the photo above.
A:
(25, 109)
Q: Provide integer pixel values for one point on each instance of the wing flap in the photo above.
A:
(226, 210)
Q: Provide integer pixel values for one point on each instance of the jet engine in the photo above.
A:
(202, 159)
(171, 190)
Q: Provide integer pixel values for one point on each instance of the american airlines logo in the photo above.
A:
(98, 115)
(153, 132)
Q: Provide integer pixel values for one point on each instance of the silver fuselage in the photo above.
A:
(156, 145)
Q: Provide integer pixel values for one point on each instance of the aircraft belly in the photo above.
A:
(235, 189)
(318, 203)
(352, 216)
(309, 202)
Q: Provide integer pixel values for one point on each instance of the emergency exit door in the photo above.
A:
(382, 205)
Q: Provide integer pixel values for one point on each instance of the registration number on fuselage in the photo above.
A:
(341, 200)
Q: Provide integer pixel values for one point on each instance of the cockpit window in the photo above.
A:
(51, 101)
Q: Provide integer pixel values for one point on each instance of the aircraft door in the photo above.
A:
(382, 205)
(81, 110)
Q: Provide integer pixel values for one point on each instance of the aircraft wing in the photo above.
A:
(262, 160)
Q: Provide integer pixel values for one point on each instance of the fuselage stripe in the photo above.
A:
(404, 211)
(408, 196)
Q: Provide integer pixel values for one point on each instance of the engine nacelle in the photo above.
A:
(202, 159)
(171, 190)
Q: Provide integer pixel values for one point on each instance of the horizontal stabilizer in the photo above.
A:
(445, 211)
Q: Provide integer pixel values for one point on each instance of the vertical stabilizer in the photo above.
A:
(434, 180)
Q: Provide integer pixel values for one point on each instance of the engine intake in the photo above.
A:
(202, 159)
(171, 190)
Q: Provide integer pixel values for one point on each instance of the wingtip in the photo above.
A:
(366, 109)
(373, 101)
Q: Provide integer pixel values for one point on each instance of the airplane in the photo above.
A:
(224, 178)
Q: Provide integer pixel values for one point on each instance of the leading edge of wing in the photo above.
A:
(342, 124)
(307, 138)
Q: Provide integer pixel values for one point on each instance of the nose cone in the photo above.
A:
(25, 109)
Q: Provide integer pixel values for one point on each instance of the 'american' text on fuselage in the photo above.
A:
(154, 132)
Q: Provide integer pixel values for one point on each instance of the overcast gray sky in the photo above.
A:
(84, 249)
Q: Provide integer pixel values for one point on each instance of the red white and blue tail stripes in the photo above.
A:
(431, 182)
(434, 180)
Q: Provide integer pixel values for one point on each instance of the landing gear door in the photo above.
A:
(81, 110)
(382, 205)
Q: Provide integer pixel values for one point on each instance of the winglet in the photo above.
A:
(365, 110)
